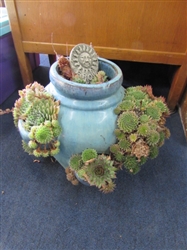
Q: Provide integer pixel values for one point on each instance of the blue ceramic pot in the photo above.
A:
(24, 134)
(87, 111)
(82, 180)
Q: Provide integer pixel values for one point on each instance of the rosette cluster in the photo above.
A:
(64, 69)
(96, 169)
(140, 127)
(39, 112)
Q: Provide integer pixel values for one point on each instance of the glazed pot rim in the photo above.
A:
(115, 67)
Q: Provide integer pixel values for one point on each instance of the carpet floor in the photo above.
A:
(41, 210)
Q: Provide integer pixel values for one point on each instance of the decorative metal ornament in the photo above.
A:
(84, 61)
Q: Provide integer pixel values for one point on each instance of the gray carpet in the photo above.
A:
(41, 210)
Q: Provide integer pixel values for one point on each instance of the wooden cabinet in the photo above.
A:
(141, 31)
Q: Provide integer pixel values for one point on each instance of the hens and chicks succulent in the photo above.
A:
(66, 71)
(97, 169)
(140, 132)
(140, 127)
(39, 112)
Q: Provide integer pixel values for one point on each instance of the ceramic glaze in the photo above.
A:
(24, 134)
(87, 111)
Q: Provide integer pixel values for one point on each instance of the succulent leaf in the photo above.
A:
(100, 171)
(119, 134)
(56, 131)
(128, 121)
(126, 105)
(26, 148)
(100, 77)
(32, 144)
(45, 153)
(137, 94)
(133, 137)
(153, 152)
(124, 144)
(119, 156)
(43, 134)
(143, 129)
(37, 153)
(140, 149)
(89, 154)
(108, 187)
(35, 106)
(134, 170)
(54, 151)
(153, 112)
(167, 133)
(76, 162)
(153, 138)
(117, 110)
(114, 148)
(144, 118)
(130, 162)
(162, 106)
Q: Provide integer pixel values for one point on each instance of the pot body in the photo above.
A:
(82, 180)
(86, 111)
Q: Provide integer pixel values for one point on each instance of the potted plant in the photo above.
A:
(140, 132)
(93, 128)
(86, 109)
(140, 129)
(35, 113)
(92, 169)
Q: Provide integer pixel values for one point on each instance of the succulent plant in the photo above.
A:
(42, 142)
(153, 111)
(124, 144)
(153, 137)
(131, 162)
(153, 153)
(70, 175)
(39, 112)
(128, 121)
(89, 154)
(133, 137)
(64, 69)
(77, 78)
(96, 169)
(136, 93)
(100, 171)
(115, 148)
(76, 162)
(140, 149)
(141, 130)
(108, 187)
(100, 77)
(43, 134)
